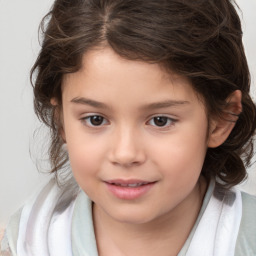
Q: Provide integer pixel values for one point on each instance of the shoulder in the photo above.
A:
(42, 209)
(249, 212)
(246, 241)
(4, 245)
(248, 200)
(9, 236)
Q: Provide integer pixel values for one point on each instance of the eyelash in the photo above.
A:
(168, 121)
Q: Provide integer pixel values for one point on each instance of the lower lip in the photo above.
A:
(129, 193)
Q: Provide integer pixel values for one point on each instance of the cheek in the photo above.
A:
(85, 153)
(82, 157)
(182, 166)
(85, 164)
(182, 156)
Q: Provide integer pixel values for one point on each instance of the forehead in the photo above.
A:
(103, 60)
(104, 73)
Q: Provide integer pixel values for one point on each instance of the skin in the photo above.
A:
(130, 144)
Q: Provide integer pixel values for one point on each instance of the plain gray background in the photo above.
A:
(19, 20)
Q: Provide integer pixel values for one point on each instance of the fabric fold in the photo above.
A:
(219, 225)
(59, 221)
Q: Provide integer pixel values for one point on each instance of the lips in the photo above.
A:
(129, 189)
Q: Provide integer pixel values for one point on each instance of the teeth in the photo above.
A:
(134, 185)
(130, 185)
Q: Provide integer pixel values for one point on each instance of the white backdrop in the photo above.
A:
(19, 20)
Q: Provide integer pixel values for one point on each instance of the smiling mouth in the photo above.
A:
(129, 189)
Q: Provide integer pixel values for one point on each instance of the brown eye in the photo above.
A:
(94, 120)
(160, 120)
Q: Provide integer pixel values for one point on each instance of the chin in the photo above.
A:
(133, 217)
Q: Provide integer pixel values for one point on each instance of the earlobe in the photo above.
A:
(54, 102)
(221, 127)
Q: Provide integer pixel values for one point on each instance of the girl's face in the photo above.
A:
(136, 137)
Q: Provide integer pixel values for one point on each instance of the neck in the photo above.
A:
(163, 236)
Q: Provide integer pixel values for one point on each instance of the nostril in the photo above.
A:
(126, 163)
(127, 160)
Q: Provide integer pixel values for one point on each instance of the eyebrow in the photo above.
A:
(89, 102)
(155, 105)
(166, 104)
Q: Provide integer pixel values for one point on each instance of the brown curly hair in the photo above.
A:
(201, 40)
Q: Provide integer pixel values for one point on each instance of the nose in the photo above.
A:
(127, 148)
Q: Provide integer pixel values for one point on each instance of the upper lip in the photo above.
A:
(127, 182)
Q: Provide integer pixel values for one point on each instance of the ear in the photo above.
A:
(58, 118)
(221, 127)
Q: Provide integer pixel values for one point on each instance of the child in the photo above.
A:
(148, 102)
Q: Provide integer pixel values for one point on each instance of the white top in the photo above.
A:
(65, 227)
